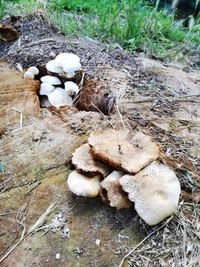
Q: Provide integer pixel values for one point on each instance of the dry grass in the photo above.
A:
(174, 243)
(177, 244)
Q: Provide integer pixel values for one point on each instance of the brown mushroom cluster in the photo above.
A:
(124, 169)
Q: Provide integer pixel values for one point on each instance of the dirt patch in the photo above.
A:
(162, 101)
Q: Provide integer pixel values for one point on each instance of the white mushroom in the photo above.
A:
(70, 68)
(34, 70)
(69, 62)
(59, 98)
(50, 80)
(52, 66)
(82, 185)
(67, 56)
(28, 75)
(155, 191)
(46, 89)
(71, 88)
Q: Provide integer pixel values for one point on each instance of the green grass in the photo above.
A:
(130, 23)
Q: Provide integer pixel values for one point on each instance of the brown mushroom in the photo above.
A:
(122, 149)
(83, 160)
(111, 191)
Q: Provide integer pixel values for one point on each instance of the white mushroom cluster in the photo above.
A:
(31, 73)
(65, 65)
(123, 168)
(53, 91)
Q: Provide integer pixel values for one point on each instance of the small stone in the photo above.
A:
(57, 256)
(97, 242)
(37, 135)
(52, 54)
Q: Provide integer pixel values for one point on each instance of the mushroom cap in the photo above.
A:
(50, 80)
(155, 191)
(69, 62)
(83, 160)
(82, 185)
(59, 98)
(34, 70)
(28, 75)
(71, 88)
(112, 191)
(46, 89)
(67, 56)
(122, 149)
(70, 67)
(52, 66)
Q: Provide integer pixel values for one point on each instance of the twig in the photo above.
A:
(105, 117)
(21, 238)
(40, 42)
(41, 219)
(33, 187)
(120, 115)
(131, 251)
(82, 80)
(21, 116)
(6, 213)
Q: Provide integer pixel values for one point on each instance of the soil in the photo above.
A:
(161, 100)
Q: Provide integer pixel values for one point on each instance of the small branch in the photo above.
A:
(21, 116)
(41, 219)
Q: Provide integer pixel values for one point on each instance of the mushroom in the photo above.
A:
(112, 191)
(46, 89)
(50, 80)
(155, 191)
(34, 70)
(71, 88)
(83, 160)
(122, 149)
(52, 66)
(82, 185)
(59, 98)
(66, 56)
(70, 68)
(69, 62)
(28, 75)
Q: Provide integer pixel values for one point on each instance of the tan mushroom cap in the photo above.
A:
(155, 191)
(112, 191)
(83, 160)
(82, 185)
(123, 150)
